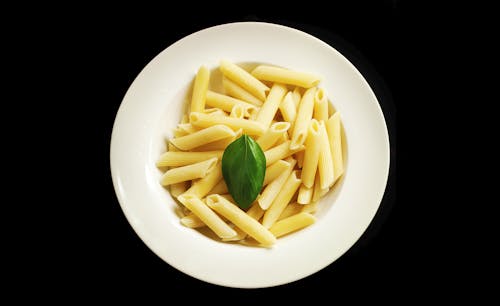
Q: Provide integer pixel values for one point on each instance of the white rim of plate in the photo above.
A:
(313, 258)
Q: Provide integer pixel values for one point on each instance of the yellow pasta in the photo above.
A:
(210, 218)
(189, 172)
(272, 190)
(302, 145)
(325, 163)
(227, 103)
(178, 159)
(272, 134)
(249, 127)
(320, 105)
(201, 187)
(288, 110)
(292, 224)
(238, 92)
(244, 79)
(270, 107)
(201, 137)
(280, 152)
(305, 194)
(304, 115)
(285, 76)
(311, 155)
(239, 218)
(282, 199)
(333, 129)
(200, 90)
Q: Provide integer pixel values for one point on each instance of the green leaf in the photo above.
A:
(244, 168)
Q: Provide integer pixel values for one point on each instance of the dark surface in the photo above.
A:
(110, 53)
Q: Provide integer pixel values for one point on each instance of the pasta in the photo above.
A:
(244, 79)
(285, 76)
(289, 118)
(189, 172)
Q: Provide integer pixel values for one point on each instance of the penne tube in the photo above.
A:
(227, 103)
(269, 138)
(304, 116)
(208, 216)
(178, 188)
(185, 118)
(249, 127)
(288, 110)
(333, 129)
(239, 218)
(285, 76)
(305, 195)
(178, 132)
(317, 191)
(325, 163)
(296, 97)
(272, 190)
(282, 199)
(274, 170)
(219, 145)
(290, 210)
(254, 212)
(214, 111)
(187, 128)
(200, 89)
(234, 90)
(270, 107)
(192, 221)
(292, 224)
(320, 111)
(189, 172)
(178, 159)
(201, 137)
(280, 152)
(201, 187)
(244, 79)
(311, 155)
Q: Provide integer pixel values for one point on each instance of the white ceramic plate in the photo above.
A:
(154, 105)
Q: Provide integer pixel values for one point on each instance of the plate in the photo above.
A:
(154, 104)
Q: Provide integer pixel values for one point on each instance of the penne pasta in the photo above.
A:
(220, 188)
(282, 199)
(201, 187)
(296, 97)
(189, 172)
(333, 129)
(305, 195)
(310, 208)
(288, 110)
(272, 190)
(210, 218)
(317, 191)
(269, 138)
(239, 218)
(200, 89)
(280, 152)
(234, 90)
(285, 76)
(178, 188)
(299, 156)
(201, 137)
(237, 112)
(292, 224)
(187, 128)
(254, 212)
(227, 103)
(270, 107)
(311, 155)
(320, 105)
(178, 159)
(274, 170)
(219, 145)
(214, 111)
(249, 127)
(244, 79)
(192, 221)
(325, 163)
(304, 115)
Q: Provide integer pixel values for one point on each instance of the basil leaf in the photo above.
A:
(243, 169)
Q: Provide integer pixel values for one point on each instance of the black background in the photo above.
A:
(100, 56)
